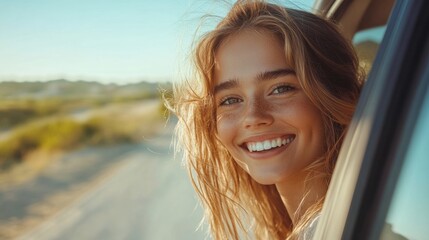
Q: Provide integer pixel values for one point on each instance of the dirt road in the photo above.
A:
(146, 196)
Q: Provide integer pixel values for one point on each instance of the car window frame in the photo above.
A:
(374, 148)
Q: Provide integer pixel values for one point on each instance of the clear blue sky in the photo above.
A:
(101, 40)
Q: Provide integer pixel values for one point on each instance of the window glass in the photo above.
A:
(408, 212)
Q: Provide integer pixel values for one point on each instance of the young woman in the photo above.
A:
(262, 120)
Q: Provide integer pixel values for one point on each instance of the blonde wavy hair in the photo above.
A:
(236, 206)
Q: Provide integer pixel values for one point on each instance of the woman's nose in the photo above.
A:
(257, 114)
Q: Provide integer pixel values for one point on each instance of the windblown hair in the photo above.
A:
(236, 206)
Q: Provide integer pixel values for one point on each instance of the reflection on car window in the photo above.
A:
(366, 44)
(408, 211)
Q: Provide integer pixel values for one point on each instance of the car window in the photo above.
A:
(408, 211)
(374, 187)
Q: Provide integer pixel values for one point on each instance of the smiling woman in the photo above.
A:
(265, 107)
(261, 125)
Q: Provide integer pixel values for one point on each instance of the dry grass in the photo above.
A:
(34, 146)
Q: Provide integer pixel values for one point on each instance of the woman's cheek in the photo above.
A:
(227, 123)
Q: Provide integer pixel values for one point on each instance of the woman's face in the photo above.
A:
(264, 118)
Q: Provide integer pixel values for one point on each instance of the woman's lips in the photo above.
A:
(267, 144)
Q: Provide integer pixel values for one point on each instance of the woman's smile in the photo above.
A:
(261, 146)
(267, 149)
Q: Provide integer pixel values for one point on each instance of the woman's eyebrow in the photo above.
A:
(226, 85)
(268, 75)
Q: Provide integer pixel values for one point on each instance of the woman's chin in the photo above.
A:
(266, 178)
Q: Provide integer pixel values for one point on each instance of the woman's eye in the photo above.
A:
(282, 89)
(229, 101)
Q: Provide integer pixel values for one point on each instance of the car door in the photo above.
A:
(379, 150)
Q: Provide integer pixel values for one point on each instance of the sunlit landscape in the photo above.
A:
(60, 141)
(58, 116)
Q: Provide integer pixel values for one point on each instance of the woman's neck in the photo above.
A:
(298, 194)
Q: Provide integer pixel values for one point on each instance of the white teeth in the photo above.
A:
(273, 143)
(268, 144)
(259, 146)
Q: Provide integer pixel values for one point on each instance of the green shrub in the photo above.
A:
(66, 133)
(60, 134)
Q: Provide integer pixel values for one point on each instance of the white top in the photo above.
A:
(308, 233)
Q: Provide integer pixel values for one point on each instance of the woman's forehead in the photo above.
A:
(249, 53)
